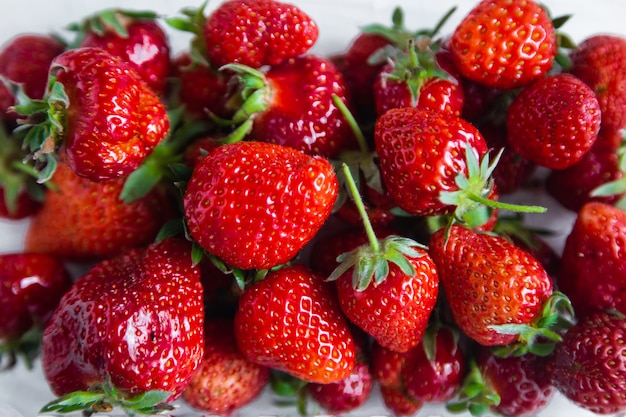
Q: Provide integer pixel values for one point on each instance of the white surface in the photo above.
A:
(338, 20)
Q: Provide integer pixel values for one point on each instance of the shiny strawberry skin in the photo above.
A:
(398, 402)
(255, 204)
(589, 366)
(94, 223)
(347, 394)
(257, 33)
(113, 120)
(300, 111)
(420, 154)
(395, 312)
(504, 43)
(291, 321)
(136, 319)
(31, 286)
(25, 206)
(554, 121)
(225, 380)
(488, 281)
(593, 271)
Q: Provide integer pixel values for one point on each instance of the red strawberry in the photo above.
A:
(292, 104)
(257, 33)
(85, 220)
(554, 121)
(255, 205)
(100, 112)
(291, 321)
(31, 286)
(225, 380)
(387, 366)
(134, 37)
(131, 325)
(593, 272)
(398, 402)
(504, 44)
(588, 367)
(497, 292)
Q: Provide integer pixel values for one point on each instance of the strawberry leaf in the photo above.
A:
(75, 401)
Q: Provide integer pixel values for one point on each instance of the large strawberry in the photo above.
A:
(100, 111)
(257, 32)
(291, 321)
(504, 44)
(593, 271)
(31, 286)
(255, 204)
(498, 293)
(554, 121)
(129, 330)
(589, 365)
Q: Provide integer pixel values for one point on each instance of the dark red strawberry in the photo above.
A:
(225, 380)
(398, 402)
(291, 321)
(554, 121)
(504, 44)
(31, 286)
(130, 326)
(255, 204)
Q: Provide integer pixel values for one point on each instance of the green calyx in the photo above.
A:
(616, 187)
(106, 398)
(476, 396)
(371, 261)
(26, 347)
(192, 21)
(541, 336)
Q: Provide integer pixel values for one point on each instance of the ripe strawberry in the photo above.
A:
(498, 293)
(255, 204)
(100, 112)
(25, 59)
(86, 220)
(225, 380)
(588, 365)
(387, 366)
(593, 272)
(130, 326)
(257, 33)
(291, 321)
(292, 104)
(134, 37)
(398, 402)
(554, 121)
(504, 44)
(31, 286)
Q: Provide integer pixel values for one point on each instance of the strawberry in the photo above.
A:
(134, 37)
(504, 44)
(398, 402)
(31, 286)
(292, 104)
(593, 272)
(554, 121)
(128, 331)
(255, 205)
(498, 293)
(387, 366)
(225, 380)
(99, 111)
(257, 33)
(291, 321)
(95, 223)
(25, 59)
(588, 365)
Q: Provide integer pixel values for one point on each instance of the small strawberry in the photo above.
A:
(257, 33)
(554, 121)
(291, 321)
(504, 44)
(31, 286)
(588, 366)
(499, 294)
(86, 220)
(398, 402)
(225, 380)
(593, 272)
(255, 205)
(133, 36)
(387, 366)
(129, 332)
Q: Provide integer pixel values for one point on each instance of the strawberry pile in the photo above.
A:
(247, 215)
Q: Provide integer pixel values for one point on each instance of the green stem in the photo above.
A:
(506, 206)
(356, 197)
(354, 125)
